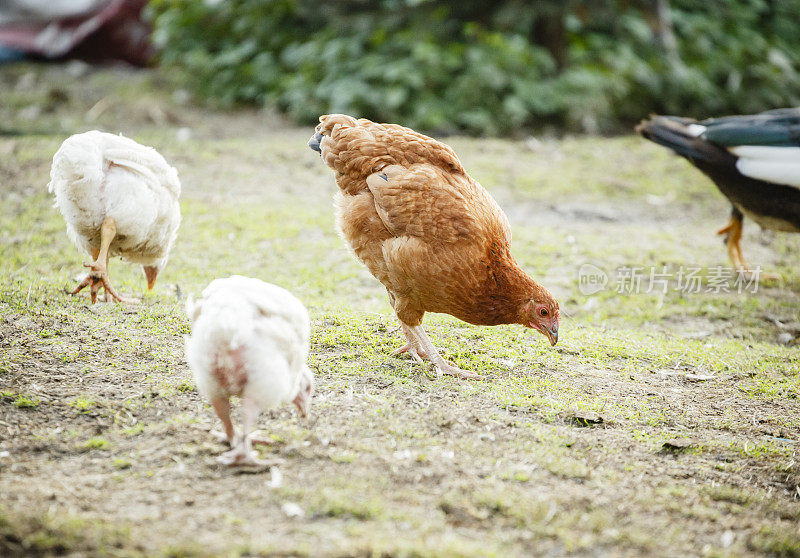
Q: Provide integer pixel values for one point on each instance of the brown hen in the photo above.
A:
(430, 233)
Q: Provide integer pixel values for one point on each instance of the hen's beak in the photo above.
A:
(313, 143)
(552, 334)
(150, 273)
(302, 402)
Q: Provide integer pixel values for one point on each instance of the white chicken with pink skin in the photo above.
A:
(118, 198)
(249, 339)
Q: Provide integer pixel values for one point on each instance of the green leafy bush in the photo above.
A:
(486, 67)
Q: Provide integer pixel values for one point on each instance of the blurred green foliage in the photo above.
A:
(488, 67)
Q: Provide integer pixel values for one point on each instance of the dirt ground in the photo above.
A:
(664, 423)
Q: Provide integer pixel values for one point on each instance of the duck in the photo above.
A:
(754, 160)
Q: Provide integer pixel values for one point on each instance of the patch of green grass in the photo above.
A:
(782, 542)
(83, 404)
(185, 386)
(332, 502)
(134, 430)
(24, 402)
(95, 443)
(343, 457)
(122, 463)
(731, 494)
(25, 534)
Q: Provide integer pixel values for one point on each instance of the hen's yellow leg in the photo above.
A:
(442, 366)
(98, 276)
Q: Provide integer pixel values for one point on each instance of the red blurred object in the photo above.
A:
(87, 29)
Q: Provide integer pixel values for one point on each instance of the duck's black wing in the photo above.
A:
(753, 159)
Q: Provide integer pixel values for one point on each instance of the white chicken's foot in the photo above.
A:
(440, 365)
(255, 438)
(97, 279)
(258, 439)
(98, 276)
(242, 454)
(240, 457)
(222, 438)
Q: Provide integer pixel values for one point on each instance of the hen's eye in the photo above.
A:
(543, 311)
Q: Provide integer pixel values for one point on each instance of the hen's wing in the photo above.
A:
(446, 229)
(435, 206)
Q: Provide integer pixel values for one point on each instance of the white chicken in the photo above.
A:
(119, 198)
(250, 339)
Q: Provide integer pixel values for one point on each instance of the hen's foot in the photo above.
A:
(449, 369)
(97, 279)
(419, 341)
(441, 367)
(413, 351)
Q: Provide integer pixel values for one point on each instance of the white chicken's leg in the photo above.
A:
(242, 453)
(441, 365)
(222, 406)
(98, 276)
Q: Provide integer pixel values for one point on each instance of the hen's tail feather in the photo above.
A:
(679, 135)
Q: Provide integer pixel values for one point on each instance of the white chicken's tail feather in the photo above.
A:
(146, 162)
(85, 158)
(77, 162)
(227, 327)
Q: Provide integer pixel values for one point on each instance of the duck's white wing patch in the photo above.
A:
(695, 130)
(766, 152)
(779, 165)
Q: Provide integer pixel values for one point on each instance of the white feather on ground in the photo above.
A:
(102, 179)
(250, 339)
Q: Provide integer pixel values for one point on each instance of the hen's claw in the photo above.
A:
(450, 369)
(404, 349)
(410, 349)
